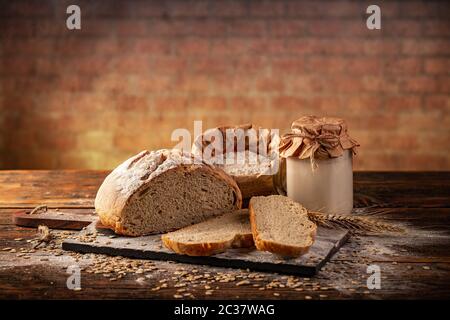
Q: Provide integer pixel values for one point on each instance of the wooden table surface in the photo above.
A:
(413, 265)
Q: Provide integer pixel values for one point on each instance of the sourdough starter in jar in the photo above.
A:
(318, 153)
(328, 188)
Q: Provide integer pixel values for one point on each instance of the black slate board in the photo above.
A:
(327, 242)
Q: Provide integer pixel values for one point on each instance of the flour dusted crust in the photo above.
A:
(135, 173)
(252, 178)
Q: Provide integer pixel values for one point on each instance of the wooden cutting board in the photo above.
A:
(328, 242)
(69, 219)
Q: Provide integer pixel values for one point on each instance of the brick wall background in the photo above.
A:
(139, 69)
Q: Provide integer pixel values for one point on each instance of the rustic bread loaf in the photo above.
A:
(251, 168)
(159, 191)
(231, 230)
(281, 226)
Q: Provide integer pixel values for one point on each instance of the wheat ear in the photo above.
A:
(356, 225)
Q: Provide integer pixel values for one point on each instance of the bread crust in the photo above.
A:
(274, 247)
(239, 236)
(250, 184)
(129, 178)
(207, 248)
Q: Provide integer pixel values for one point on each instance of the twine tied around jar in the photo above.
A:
(317, 139)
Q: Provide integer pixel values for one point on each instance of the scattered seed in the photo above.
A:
(243, 282)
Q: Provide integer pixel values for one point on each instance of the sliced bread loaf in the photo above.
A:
(281, 226)
(231, 230)
(164, 190)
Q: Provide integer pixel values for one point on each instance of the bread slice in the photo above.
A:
(281, 226)
(231, 230)
(164, 190)
(253, 172)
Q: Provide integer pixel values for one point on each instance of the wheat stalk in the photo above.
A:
(44, 235)
(38, 209)
(356, 225)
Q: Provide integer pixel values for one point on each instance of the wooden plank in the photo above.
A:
(429, 218)
(402, 189)
(7, 215)
(419, 218)
(77, 189)
(73, 220)
(150, 247)
(29, 280)
(56, 188)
